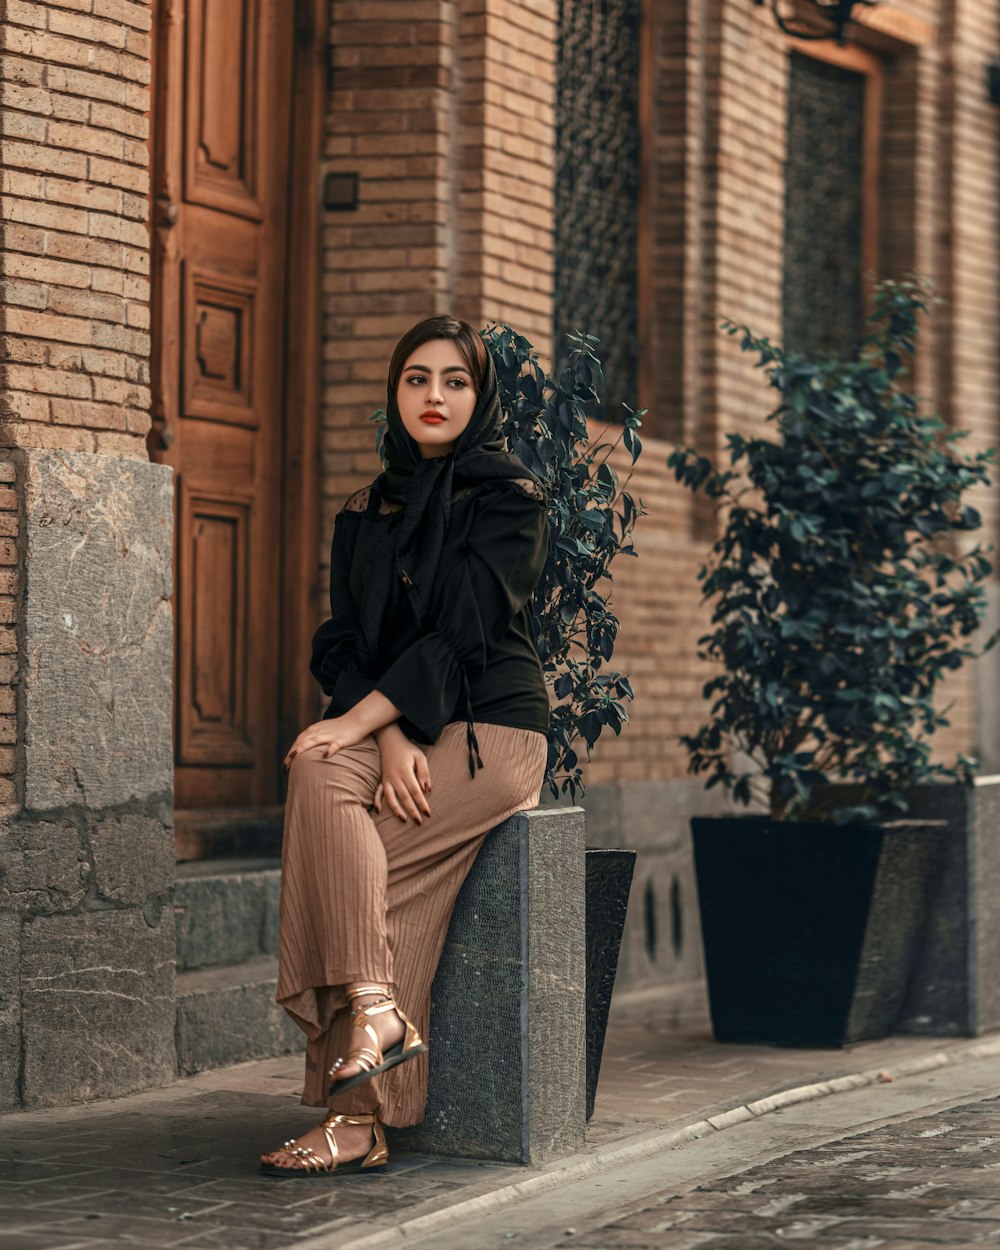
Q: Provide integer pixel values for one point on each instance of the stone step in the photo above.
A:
(226, 911)
(227, 1014)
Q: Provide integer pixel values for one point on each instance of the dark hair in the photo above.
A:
(469, 343)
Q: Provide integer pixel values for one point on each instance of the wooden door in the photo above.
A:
(220, 206)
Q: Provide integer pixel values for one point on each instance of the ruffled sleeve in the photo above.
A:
(472, 609)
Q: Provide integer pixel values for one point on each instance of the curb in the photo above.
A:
(602, 1157)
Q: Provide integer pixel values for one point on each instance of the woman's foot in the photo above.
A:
(354, 1141)
(388, 1026)
(386, 1037)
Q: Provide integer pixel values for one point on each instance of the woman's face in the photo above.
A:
(436, 379)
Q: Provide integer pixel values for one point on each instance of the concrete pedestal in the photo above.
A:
(955, 987)
(508, 1007)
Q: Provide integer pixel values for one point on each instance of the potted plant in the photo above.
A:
(844, 588)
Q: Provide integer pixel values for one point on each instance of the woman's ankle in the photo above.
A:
(360, 989)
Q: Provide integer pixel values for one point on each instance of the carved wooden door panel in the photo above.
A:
(220, 204)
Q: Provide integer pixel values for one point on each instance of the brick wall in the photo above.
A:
(504, 130)
(719, 100)
(445, 111)
(468, 228)
(970, 155)
(74, 258)
(384, 266)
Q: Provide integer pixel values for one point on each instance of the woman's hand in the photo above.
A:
(405, 776)
(332, 735)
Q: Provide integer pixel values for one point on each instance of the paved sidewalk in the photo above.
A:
(176, 1167)
(926, 1183)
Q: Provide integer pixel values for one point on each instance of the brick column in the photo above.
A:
(74, 246)
(86, 634)
(444, 109)
(505, 138)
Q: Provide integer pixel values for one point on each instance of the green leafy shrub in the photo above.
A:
(574, 627)
(842, 590)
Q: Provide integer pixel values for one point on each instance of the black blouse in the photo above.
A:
(475, 655)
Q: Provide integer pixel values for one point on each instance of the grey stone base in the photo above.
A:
(508, 1025)
(227, 947)
(97, 1001)
(955, 987)
(228, 1015)
(86, 866)
(97, 684)
(226, 911)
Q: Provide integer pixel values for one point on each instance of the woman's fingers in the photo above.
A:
(423, 775)
(301, 743)
(404, 793)
(423, 780)
(377, 801)
(414, 785)
(408, 798)
(390, 798)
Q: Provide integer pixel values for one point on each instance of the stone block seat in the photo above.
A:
(508, 1030)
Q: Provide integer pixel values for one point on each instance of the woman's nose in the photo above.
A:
(435, 392)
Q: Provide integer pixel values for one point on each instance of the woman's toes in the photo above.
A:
(280, 1159)
(341, 1070)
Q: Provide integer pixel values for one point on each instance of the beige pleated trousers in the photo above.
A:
(368, 897)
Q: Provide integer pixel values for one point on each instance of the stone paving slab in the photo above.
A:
(932, 1181)
(177, 1166)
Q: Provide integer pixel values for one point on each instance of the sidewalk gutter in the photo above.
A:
(641, 1146)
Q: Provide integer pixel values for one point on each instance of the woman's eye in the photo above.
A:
(415, 377)
(458, 382)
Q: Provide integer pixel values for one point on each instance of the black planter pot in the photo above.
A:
(811, 929)
(608, 881)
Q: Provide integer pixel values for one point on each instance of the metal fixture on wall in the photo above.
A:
(340, 191)
(815, 19)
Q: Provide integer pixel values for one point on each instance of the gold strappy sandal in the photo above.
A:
(376, 1160)
(371, 1059)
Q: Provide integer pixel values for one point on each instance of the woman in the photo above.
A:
(435, 733)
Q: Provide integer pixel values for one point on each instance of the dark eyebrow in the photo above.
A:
(450, 369)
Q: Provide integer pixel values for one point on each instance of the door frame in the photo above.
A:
(299, 589)
(300, 574)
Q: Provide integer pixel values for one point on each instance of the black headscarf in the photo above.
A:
(411, 548)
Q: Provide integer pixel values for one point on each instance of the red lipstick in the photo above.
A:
(432, 417)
